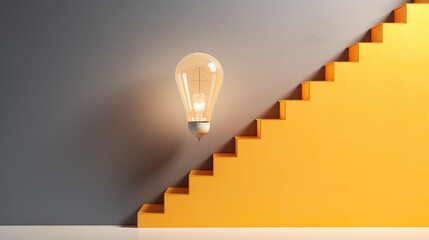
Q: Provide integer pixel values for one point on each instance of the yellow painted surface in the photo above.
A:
(353, 152)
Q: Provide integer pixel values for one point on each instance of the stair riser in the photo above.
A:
(226, 166)
(330, 72)
(400, 14)
(199, 185)
(377, 33)
(145, 220)
(174, 202)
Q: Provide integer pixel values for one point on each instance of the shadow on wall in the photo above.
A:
(130, 137)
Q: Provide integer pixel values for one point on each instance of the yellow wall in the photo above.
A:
(353, 152)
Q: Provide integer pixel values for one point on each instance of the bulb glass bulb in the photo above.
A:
(199, 78)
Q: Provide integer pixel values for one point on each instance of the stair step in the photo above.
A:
(244, 142)
(152, 208)
(314, 86)
(282, 116)
(177, 190)
(334, 69)
(259, 122)
(378, 31)
(357, 50)
(421, 1)
(197, 173)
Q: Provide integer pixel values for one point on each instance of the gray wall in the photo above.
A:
(91, 121)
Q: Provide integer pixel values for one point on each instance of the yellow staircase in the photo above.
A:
(353, 152)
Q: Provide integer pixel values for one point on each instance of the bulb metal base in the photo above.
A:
(199, 129)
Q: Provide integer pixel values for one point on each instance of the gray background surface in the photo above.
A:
(91, 121)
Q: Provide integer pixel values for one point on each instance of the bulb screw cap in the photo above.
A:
(199, 129)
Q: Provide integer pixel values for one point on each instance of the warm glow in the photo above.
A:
(199, 77)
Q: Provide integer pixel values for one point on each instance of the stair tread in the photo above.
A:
(177, 190)
(201, 173)
(248, 137)
(270, 119)
(388, 24)
(341, 62)
(316, 81)
(297, 101)
(363, 43)
(224, 155)
(152, 208)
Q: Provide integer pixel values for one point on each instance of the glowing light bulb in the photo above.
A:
(199, 77)
(199, 106)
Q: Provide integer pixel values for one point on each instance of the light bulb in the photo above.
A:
(199, 77)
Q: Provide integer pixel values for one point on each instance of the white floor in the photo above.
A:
(125, 233)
